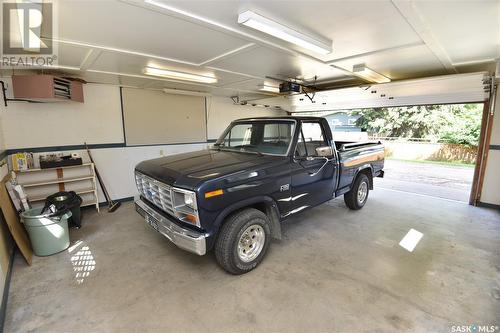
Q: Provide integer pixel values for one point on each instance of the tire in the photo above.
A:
(243, 241)
(356, 198)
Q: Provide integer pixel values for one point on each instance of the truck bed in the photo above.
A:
(349, 145)
(356, 155)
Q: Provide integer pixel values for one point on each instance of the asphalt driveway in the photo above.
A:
(444, 181)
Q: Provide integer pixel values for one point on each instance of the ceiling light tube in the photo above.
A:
(186, 92)
(270, 27)
(179, 75)
(369, 74)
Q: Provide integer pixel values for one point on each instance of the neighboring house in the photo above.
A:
(343, 122)
(344, 127)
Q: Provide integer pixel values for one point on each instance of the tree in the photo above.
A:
(453, 123)
(466, 127)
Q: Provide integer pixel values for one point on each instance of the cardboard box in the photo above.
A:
(22, 161)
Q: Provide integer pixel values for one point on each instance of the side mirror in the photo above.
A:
(325, 151)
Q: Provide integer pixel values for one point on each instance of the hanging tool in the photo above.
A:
(112, 206)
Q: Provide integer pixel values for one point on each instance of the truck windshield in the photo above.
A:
(261, 137)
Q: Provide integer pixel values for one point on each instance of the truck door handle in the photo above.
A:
(327, 160)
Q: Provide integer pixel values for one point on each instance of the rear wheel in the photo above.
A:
(356, 198)
(243, 241)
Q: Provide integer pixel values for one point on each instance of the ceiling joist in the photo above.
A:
(418, 23)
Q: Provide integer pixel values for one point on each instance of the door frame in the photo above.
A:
(483, 148)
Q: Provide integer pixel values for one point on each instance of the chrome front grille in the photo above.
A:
(156, 192)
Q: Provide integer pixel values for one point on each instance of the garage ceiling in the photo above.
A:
(112, 41)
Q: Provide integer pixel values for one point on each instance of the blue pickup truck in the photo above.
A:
(233, 197)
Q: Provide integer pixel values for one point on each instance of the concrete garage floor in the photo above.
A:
(335, 270)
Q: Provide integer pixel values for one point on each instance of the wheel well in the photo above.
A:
(369, 174)
(262, 206)
(271, 212)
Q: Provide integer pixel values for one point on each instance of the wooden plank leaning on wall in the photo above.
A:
(12, 220)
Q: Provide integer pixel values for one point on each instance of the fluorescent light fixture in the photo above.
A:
(270, 27)
(179, 75)
(369, 74)
(186, 92)
(411, 239)
(268, 88)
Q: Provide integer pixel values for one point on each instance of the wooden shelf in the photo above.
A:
(37, 187)
(62, 167)
(58, 181)
(89, 203)
(90, 190)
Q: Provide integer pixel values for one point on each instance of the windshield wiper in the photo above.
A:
(241, 149)
(250, 150)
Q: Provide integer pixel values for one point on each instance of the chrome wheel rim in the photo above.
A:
(251, 243)
(362, 192)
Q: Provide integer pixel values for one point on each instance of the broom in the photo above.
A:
(112, 206)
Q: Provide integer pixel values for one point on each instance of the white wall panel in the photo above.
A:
(495, 134)
(491, 184)
(98, 120)
(154, 117)
(221, 111)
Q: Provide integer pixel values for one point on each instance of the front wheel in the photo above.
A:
(243, 241)
(356, 198)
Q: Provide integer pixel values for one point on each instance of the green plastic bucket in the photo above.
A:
(48, 234)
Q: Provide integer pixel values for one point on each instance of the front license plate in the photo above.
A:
(153, 223)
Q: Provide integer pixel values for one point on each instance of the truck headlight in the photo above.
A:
(185, 206)
(189, 199)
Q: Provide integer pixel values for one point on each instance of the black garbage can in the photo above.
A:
(64, 201)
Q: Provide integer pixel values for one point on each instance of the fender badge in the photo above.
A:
(285, 187)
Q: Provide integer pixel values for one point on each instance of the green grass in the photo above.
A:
(445, 163)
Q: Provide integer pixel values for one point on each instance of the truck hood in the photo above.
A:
(191, 169)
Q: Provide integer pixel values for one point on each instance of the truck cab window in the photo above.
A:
(259, 137)
(310, 138)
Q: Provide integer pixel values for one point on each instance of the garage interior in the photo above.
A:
(160, 78)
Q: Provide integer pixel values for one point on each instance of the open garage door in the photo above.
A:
(449, 89)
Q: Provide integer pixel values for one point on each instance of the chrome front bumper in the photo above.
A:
(184, 238)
